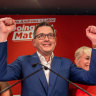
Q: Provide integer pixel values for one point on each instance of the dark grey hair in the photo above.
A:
(43, 24)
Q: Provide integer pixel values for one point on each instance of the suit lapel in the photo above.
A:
(43, 81)
(52, 79)
(41, 75)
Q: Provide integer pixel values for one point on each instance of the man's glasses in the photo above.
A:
(42, 36)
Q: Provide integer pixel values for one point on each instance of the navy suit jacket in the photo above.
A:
(36, 85)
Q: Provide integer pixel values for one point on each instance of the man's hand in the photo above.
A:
(91, 34)
(7, 24)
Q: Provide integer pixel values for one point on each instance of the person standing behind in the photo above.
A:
(82, 60)
(3, 85)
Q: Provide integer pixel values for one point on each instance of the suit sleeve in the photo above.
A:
(8, 71)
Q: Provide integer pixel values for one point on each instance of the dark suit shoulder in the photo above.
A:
(63, 59)
(27, 56)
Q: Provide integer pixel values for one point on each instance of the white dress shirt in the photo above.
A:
(48, 64)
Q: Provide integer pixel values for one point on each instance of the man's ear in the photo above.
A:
(33, 42)
(56, 39)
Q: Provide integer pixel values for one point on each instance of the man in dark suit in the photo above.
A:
(44, 83)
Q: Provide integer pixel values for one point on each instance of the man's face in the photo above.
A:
(44, 46)
(83, 61)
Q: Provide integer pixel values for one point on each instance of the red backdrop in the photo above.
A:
(70, 30)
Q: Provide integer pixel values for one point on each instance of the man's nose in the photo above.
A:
(46, 38)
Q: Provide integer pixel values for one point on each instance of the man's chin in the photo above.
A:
(47, 51)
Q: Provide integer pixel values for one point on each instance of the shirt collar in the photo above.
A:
(42, 58)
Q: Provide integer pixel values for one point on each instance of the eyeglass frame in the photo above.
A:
(44, 36)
